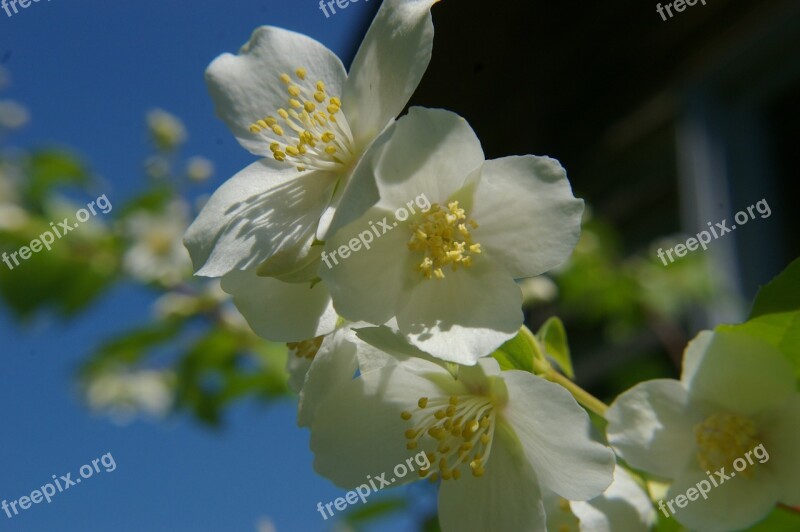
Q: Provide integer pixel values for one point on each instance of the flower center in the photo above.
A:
(462, 428)
(443, 236)
(305, 349)
(311, 132)
(722, 438)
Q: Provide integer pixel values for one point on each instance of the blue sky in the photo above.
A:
(88, 71)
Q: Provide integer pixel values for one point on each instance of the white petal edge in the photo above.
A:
(554, 433)
(388, 66)
(507, 497)
(529, 221)
(623, 506)
(358, 431)
(429, 156)
(257, 213)
(781, 439)
(737, 371)
(247, 87)
(368, 284)
(278, 311)
(453, 320)
(651, 426)
(734, 504)
(334, 364)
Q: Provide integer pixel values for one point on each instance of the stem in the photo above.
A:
(582, 396)
(543, 367)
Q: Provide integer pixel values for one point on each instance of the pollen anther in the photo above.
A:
(461, 429)
(722, 438)
(303, 127)
(442, 235)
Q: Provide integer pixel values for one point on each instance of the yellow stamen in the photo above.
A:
(305, 126)
(444, 239)
(722, 438)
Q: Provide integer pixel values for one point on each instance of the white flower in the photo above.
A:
(288, 99)
(166, 130)
(623, 506)
(12, 115)
(735, 403)
(125, 394)
(157, 253)
(265, 524)
(199, 169)
(10, 177)
(12, 215)
(538, 289)
(492, 437)
(447, 275)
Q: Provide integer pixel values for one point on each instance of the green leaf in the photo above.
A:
(220, 368)
(48, 168)
(131, 347)
(781, 295)
(153, 200)
(66, 278)
(780, 520)
(668, 524)
(516, 353)
(776, 315)
(553, 338)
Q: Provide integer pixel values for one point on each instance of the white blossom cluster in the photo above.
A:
(390, 349)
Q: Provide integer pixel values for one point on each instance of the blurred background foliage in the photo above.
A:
(196, 355)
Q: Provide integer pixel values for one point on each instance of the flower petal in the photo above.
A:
(733, 505)
(334, 364)
(528, 218)
(554, 432)
(623, 506)
(297, 264)
(360, 192)
(560, 516)
(247, 87)
(388, 66)
(507, 497)
(257, 213)
(358, 430)
(430, 155)
(781, 438)
(387, 347)
(278, 311)
(368, 284)
(651, 426)
(737, 371)
(453, 320)
(297, 367)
